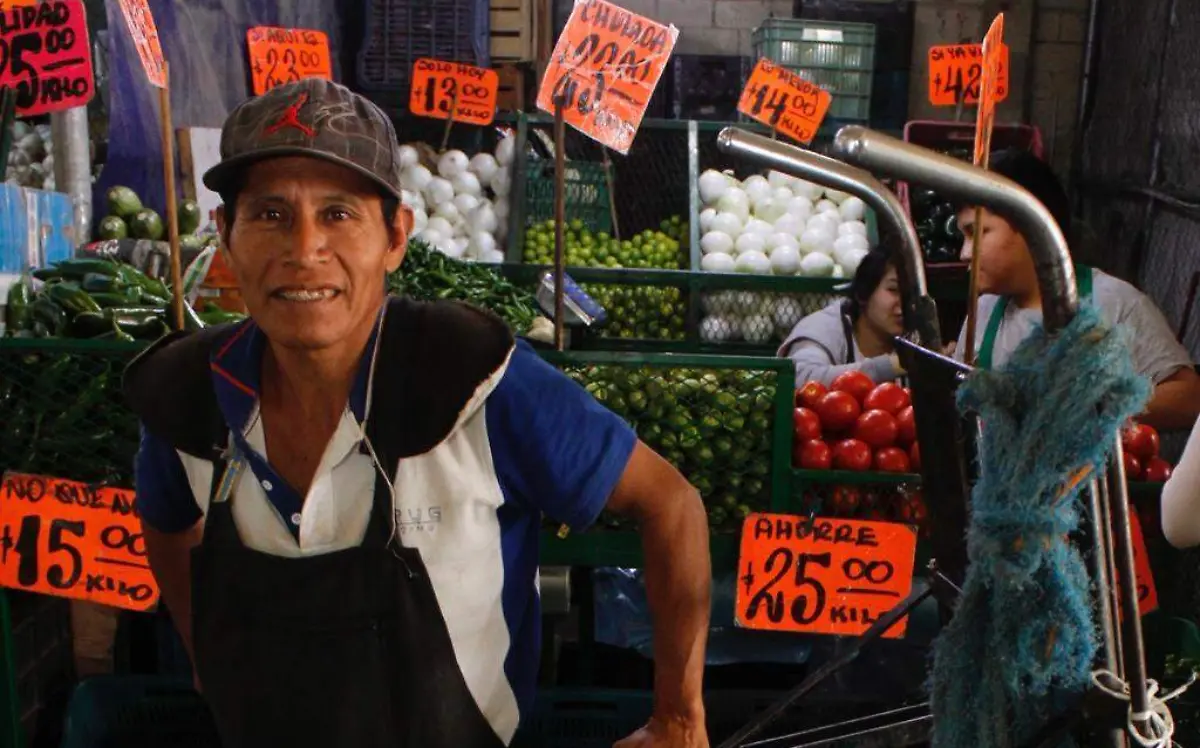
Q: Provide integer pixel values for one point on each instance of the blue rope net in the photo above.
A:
(1022, 641)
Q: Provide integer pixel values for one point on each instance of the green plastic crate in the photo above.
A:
(585, 191)
(723, 421)
(838, 57)
(63, 410)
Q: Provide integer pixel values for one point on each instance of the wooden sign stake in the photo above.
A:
(560, 209)
(168, 142)
(450, 122)
(612, 193)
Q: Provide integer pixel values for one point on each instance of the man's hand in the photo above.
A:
(668, 733)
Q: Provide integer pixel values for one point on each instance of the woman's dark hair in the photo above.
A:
(866, 279)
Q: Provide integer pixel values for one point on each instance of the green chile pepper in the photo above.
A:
(16, 308)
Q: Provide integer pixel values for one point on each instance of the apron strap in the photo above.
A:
(1084, 284)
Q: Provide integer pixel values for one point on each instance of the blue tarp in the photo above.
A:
(205, 45)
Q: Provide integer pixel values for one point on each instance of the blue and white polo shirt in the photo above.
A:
(530, 441)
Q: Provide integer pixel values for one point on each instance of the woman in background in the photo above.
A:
(854, 333)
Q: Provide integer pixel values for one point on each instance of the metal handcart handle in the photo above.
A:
(1122, 635)
(920, 312)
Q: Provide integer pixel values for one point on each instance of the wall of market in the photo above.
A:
(1045, 37)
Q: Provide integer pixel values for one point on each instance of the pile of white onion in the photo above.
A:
(463, 209)
(779, 225)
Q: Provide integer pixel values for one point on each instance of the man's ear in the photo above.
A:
(223, 226)
(401, 226)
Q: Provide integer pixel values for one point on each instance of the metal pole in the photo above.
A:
(1102, 561)
(920, 311)
(1127, 594)
(560, 209)
(73, 166)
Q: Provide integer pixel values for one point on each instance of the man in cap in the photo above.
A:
(342, 495)
(1010, 301)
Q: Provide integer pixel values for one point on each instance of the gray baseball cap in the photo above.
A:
(312, 117)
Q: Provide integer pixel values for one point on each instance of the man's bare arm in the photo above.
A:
(674, 529)
(1175, 403)
(170, 556)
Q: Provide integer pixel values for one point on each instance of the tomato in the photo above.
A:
(845, 499)
(906, 426)
(805, 424)
(838, 411)
(1133, 466)
(877, 428)
(812, 454)
(810, 394)
(889, 397)
(892, 460)
(1141, 440)
(856, 383)
(852, 454)
(914, 456)
(1157, 470)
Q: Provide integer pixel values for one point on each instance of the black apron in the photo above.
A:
(347, 648)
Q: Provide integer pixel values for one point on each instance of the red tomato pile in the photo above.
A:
(877, 503)
(1142, 461)
(855, 425)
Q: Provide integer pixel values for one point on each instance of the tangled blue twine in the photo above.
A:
(1022, 640)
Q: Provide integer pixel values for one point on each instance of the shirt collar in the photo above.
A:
(236, 367)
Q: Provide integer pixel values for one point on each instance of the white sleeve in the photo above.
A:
(1181, 497)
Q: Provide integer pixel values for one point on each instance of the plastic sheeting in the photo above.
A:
(205, 45)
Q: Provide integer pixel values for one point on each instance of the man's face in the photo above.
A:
(310, 250)
(1005, 265)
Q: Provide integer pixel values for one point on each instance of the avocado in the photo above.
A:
(191, 243)
(189, 217)
(112, 227)
(146, 225)
(123, 202)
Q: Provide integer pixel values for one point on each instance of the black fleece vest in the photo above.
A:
(432, 359)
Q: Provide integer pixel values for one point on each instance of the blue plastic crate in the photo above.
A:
(398, 32)
(138, 712)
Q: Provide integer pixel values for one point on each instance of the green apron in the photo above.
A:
(1083, 284)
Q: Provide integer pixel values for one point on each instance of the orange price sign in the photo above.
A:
(68, 539)
(1147, 591)
(783, 101)
(45, 56)
(604, 69)
(145, 38)
(993, 47)
(454, 90)
(279, 56)
(956, 72)
(822, 576)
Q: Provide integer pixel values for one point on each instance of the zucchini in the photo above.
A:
(78, 267)
(89, 325)
(98, 283)
(71, 297)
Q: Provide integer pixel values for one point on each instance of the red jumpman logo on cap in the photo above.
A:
(291, 118)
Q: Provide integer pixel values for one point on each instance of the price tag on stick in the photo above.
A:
(784, 101)
(956, 73)
(145, 37)
(824, 576)
(604, 69)
(1147, 590)
(279, 56)
(46, 57)
(66, 539)
(454, 91)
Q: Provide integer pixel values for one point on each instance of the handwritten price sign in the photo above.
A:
(281, 56)
(956, 73)
(604, 69)
(45, 56)
(66, 539)
(827, 576)
(454, 90)
(1147, 591)
(145, 38)
(782, 100)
